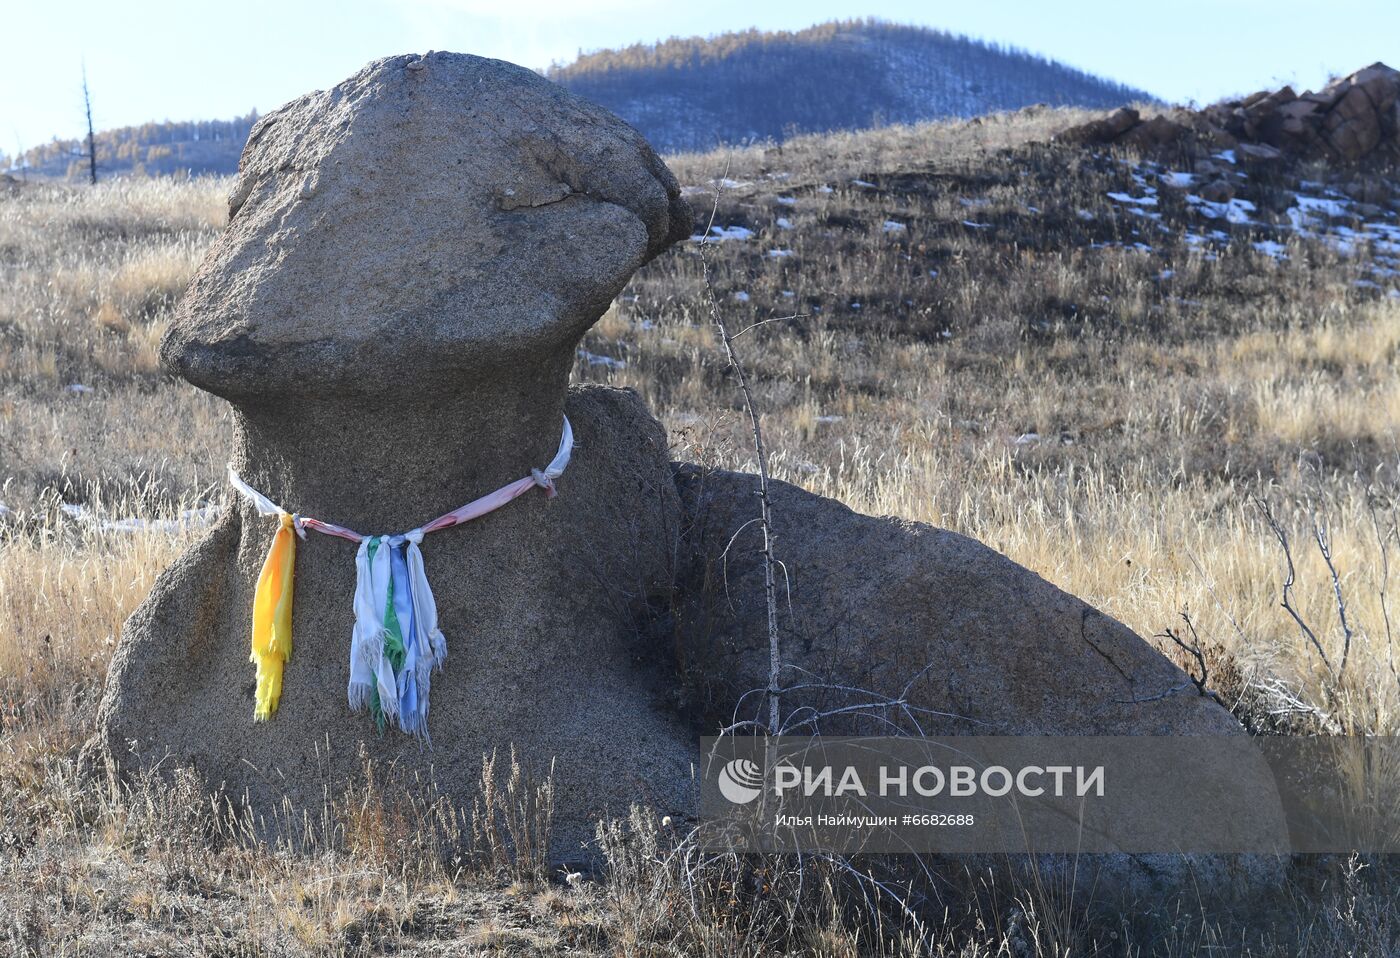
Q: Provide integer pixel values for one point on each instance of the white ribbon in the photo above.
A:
(433, 643)
(261, 503)
(369, 669)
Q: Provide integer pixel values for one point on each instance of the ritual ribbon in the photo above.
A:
(395, 645)
(272, 619)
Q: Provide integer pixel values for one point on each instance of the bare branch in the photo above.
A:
(1282, 536)
(1191, 648)
(770, 319)
(1324, 546)
(760, 451)
(1383, 545)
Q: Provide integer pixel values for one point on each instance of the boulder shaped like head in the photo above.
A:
(429, 221)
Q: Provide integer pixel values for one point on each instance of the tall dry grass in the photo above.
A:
(1033, 381)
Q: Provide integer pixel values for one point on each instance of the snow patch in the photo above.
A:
(1139, 200)
(1236, 210)
(187, 518)
(593, 359)
(725, 233)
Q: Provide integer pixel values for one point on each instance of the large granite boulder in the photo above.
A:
(883, 609)
(891, 627)
(393, 313)
(427, 221)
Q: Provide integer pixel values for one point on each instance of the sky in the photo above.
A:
(189, 59)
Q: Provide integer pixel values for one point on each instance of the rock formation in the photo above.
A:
(392, 313)
(1351, 119)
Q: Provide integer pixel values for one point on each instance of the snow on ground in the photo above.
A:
(780, 253)
(1327, 206)
(189, 517)
(893, 226)
(1148, 200)
(593, 359)
(725, 233)
(783, 223)
(1235, 210)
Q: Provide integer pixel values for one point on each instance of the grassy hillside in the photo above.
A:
(698, 92)
(1073, 356)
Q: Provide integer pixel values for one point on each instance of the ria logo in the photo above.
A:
(741, 781)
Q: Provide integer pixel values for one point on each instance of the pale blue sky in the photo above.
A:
(187, 59)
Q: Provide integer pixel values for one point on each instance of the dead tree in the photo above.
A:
(92, 142)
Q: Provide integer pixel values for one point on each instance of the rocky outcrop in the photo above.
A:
(1352, 119)
(393, 314)
(891, 627)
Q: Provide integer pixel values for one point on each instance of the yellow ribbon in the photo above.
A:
(272, 619)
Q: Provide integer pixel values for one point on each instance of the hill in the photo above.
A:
(692, 94)
(151, 149)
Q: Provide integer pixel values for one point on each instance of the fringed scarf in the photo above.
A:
(396, 644)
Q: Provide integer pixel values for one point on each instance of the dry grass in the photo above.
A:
(1159, 404)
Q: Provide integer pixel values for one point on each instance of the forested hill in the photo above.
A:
(688, 94)
(154, 149)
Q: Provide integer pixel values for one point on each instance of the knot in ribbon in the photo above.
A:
(544, 482)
